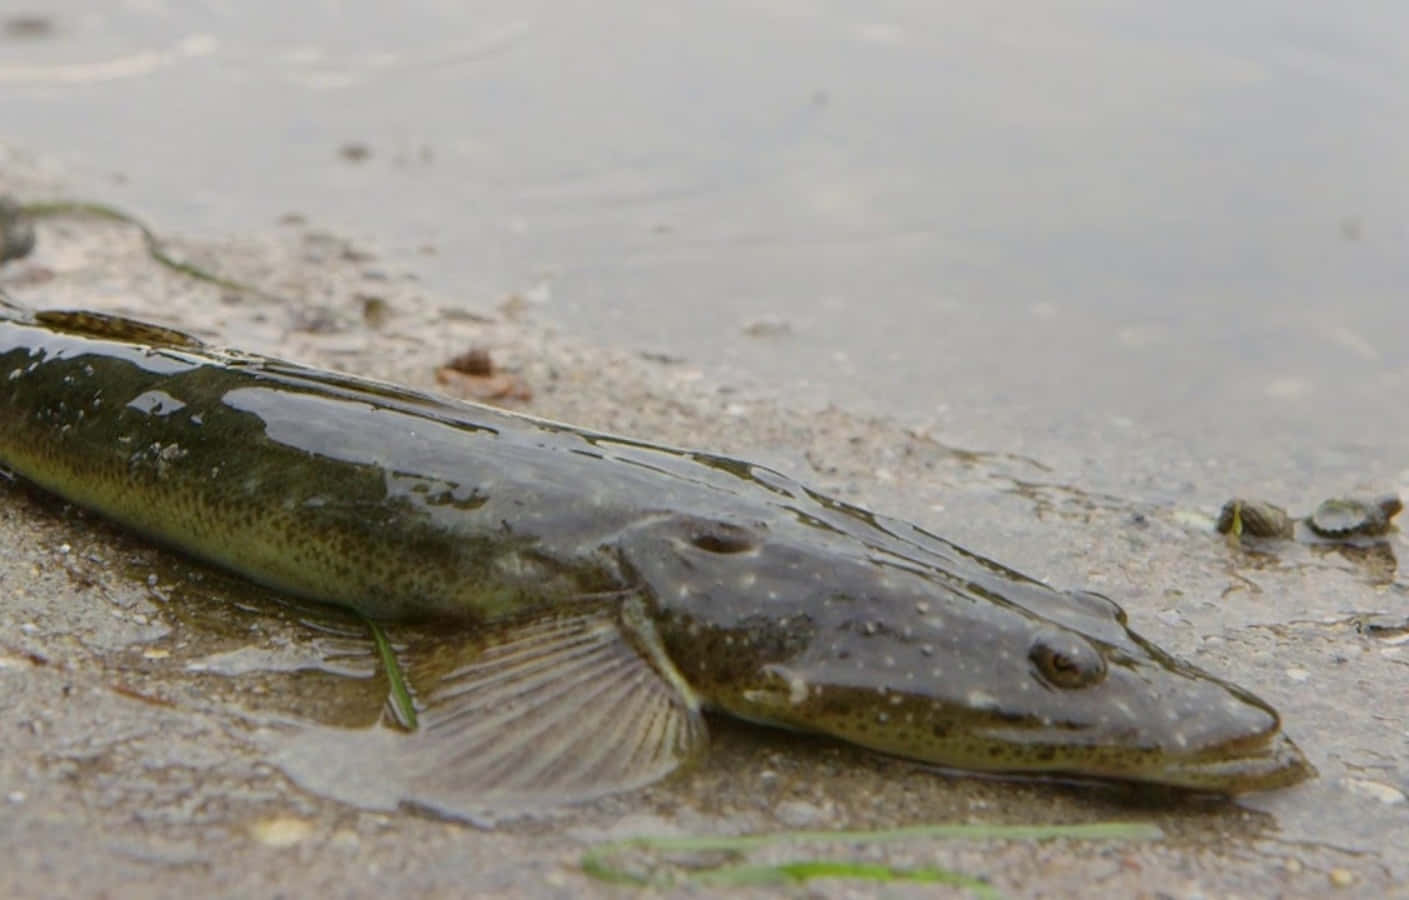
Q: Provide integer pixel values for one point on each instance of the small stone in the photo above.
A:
(281, 831)
(1376, 790)
(1341, 877)
(555, 878)
(29, 26)
(798, 813)
(355, 152)
(767, 327)
(375, 310)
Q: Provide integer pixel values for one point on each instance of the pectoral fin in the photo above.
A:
(562, 708)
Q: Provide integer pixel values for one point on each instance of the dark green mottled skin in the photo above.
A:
(773, 602)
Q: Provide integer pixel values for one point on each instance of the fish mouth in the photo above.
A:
(1262, 760)
(1259, 763)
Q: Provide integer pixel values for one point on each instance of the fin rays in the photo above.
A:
(562, 708)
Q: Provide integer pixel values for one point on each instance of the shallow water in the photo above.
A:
(1054, 226)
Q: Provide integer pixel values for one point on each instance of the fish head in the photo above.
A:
(943, 657)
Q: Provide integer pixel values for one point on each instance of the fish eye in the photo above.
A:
(721, 537)
(1065, 660)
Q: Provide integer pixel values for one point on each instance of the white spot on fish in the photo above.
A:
(797, 685)
(978, 699)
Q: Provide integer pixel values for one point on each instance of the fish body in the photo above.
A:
(604, 589)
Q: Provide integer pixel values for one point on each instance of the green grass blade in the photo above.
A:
(149, 237)
(595, 861)
(399, 698)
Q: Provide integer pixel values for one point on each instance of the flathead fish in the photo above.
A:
(607, 589)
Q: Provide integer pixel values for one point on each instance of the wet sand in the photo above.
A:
(135, 759)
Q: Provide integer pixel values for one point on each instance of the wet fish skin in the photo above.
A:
(729, 585)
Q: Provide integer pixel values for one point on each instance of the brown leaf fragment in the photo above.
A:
(475, 361)
(501, 389)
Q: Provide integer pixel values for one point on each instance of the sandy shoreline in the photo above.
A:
(126, 772)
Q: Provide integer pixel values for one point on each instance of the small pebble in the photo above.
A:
(767, 327)
(29, 26)
(1341, 877)
(1375, 790)
(798, 813)
(281, 831)
(355, 151)
(555, 878)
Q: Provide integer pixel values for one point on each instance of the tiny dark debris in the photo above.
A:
(28, 25)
